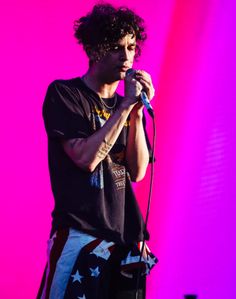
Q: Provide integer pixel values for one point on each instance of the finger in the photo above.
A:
(139, 86)
(142, 74)
(145, 79)
(148, 88)
(146, 84)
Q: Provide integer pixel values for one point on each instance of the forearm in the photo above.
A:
(137, 155)
(87, 153)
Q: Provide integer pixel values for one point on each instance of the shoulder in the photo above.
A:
(63, 93)
(66, 84)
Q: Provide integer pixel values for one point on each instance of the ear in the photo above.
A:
(91, 53)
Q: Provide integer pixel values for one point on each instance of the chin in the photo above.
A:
(118, 78)
(122, 75)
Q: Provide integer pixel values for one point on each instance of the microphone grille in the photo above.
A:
(130, 72)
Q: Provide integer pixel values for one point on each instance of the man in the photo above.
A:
(97, 145)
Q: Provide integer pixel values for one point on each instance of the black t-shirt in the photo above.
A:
(101, 203)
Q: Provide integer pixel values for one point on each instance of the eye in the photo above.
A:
(132, 48)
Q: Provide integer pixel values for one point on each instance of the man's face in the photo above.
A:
(119, 59)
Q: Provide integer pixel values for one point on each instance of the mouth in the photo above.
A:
(123, 68)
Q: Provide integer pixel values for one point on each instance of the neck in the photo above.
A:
(100, 84)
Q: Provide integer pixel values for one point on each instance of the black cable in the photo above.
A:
(149, 201)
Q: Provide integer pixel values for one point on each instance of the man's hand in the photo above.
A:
(134, 84)
(146, 81)
(133, 88)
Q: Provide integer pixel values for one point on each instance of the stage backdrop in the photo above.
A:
(190, 53)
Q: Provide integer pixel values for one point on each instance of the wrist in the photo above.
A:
(136, 118)
(137, 113)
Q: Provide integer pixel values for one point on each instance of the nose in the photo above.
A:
(124, 55)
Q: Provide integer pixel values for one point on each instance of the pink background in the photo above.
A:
(190, 54)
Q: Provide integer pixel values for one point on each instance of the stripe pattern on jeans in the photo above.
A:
(76, 261)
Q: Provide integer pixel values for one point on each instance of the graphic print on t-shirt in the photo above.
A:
(117, 169)
(101, 116)
(118, 172)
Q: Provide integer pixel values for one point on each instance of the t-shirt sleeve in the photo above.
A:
(63, 113)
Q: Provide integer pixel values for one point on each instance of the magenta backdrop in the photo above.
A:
(190, 54)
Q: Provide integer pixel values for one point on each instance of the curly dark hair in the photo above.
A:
(100, 29)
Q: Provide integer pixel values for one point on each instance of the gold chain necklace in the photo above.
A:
(103, 102)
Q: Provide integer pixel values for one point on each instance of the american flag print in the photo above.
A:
(78, 265)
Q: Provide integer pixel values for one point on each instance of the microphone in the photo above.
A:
(143, 95)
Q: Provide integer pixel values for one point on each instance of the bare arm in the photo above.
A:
(87, 153)
(137, 155)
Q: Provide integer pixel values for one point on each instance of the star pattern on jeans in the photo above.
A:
(91, 262)
(94, 272)
(151, 261)
(77, 277)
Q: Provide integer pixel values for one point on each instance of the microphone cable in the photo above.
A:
(149, 201)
